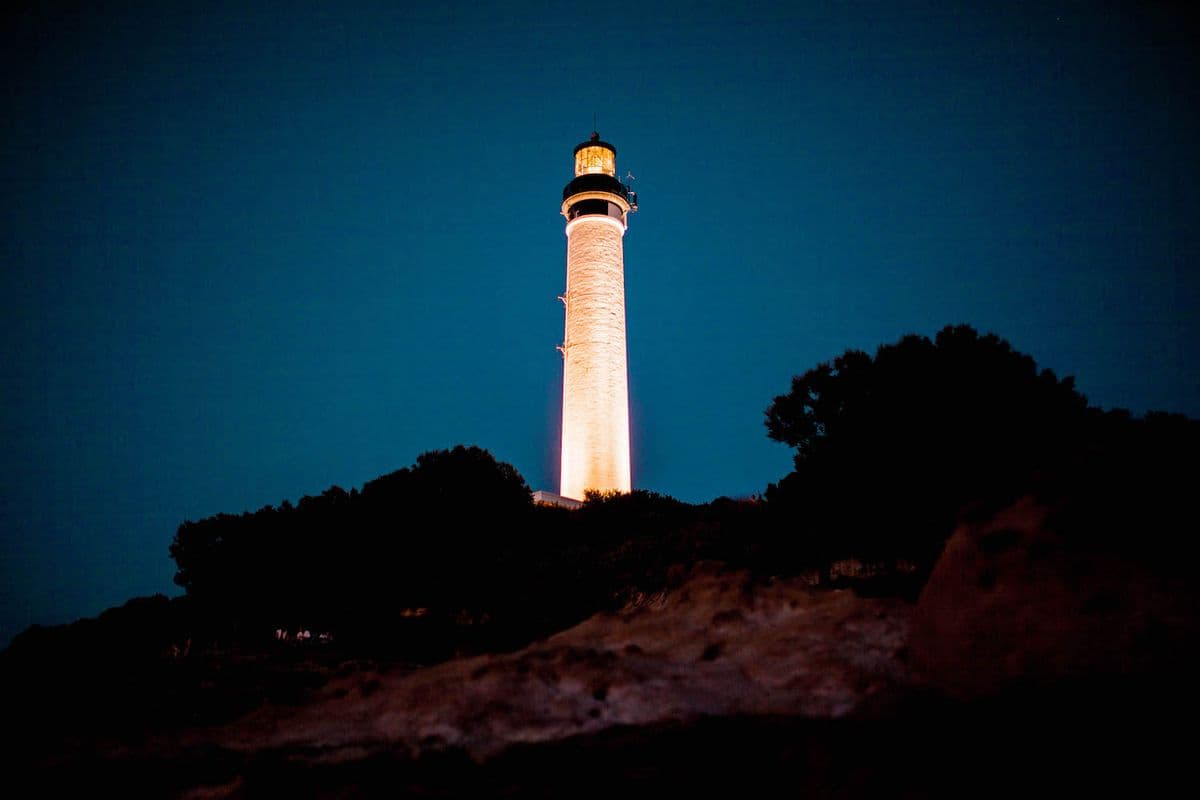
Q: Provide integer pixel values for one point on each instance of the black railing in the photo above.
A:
(596, 182)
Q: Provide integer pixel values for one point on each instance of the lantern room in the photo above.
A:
(595, 157)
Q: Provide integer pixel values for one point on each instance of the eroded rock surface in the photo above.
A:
(717, 645)
(1017, 600)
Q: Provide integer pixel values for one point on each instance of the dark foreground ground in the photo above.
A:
(1033, 663)
(1102, 740)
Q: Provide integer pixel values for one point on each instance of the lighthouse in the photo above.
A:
(595, 407)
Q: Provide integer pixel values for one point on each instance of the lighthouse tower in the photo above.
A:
(595, 409)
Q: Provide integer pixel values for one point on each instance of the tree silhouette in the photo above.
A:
(429, 536)
(889, 448)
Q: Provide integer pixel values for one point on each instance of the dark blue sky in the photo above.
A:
(248, 255)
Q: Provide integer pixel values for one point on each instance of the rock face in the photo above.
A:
(718, 645)
(1016, 601)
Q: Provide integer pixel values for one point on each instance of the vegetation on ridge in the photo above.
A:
(450, 555)
(451, 552)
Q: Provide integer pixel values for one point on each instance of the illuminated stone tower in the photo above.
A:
(595, 409)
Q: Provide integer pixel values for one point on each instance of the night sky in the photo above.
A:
(248, 255)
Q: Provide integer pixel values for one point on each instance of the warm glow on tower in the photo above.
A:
(595, 410)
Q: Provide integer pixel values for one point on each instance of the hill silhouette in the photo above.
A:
(450, 553)
(894, 453)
